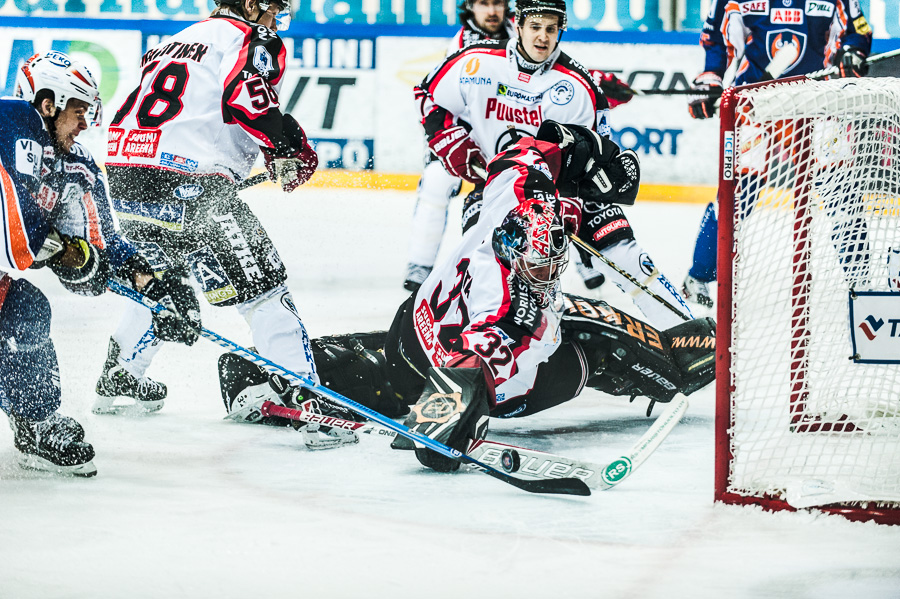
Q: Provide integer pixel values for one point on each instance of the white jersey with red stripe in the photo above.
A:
(207, 101)
(485, 86)
(472, 302)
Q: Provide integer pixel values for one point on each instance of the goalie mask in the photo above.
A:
(532, 243)
(67, 78)
(593, 167)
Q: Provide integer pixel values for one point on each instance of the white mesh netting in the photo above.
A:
(817, 212)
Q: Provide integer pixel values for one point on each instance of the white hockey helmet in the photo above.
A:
(65, 77)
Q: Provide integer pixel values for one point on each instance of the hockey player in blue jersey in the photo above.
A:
(750, 33)
(56, 214)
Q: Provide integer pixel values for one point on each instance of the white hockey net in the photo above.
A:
(816, 214)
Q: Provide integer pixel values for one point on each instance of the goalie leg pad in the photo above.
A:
(453, 409)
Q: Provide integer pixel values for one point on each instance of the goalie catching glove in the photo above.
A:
(459, 154)
(180, 321)
(593, 167)
(82, 267)
(293, 165)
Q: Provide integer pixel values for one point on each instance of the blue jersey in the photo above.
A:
(753, 31)
(40, 189)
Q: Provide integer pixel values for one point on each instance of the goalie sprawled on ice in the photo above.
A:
(489, 332)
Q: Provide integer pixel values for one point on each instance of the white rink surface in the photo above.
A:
(187, 505)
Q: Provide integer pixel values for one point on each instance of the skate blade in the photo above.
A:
(107, 405)
(250, 413)
(317, 438)
(33, 462)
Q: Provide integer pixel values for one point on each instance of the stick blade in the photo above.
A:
(547, 486)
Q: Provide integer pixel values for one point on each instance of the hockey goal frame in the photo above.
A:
(724, 455)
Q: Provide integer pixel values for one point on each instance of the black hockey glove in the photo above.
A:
(82, 267)
(593, 168)
(291, 165)
(705, 107)
(851, 62)
(180, 322)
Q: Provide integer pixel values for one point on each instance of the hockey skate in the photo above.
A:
(116, 383)
(415, 276)
(53, 445)
(697, 291)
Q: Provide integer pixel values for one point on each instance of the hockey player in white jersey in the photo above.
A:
(481, 20)
(206, 105)
(489, 331)
(480, 100)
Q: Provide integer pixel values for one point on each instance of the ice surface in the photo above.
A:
(188, 505)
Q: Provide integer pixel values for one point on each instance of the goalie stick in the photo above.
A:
(581, 243)
(532, 464)
(562, 486)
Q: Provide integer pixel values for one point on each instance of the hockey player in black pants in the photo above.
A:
(489, 332)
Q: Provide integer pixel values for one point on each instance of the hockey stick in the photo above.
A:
(579, 242)
(600, 477)
(833, 70)
(254, 180)
(530, 463)
(564, 486)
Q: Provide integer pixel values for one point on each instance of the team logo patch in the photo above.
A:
(819, 8)
(562, 93)
(188, 191)
(518, 95)
(262, 61)
(778, 39)
(209, 272)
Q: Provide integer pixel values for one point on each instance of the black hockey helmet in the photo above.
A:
(544, 7)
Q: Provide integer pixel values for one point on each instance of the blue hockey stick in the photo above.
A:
(562, 486)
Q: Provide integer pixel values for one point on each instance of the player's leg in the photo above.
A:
(436, 188)
(30, 385)
(703, 267)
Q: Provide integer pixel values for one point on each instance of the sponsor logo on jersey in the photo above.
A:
(542, 167)
(141, 143)
(188, 191)
(518, 95)
(647, 266)
(500, 111)
(755, 7)
(475, 80)
(240, 247)
(562, 93)
(262, 61)
(524, 77)
(47, 197)
(862, 26)
(28, 157)
(786, 16)
(819, 8)
(424, 323)
(112, 140)
(472, 66)
(179, 163)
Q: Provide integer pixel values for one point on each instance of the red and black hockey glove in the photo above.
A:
(851, 62)
(705, 107)
(616, 91)
(459, 154)
(292, 165)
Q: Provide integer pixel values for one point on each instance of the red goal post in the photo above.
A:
(808, 378)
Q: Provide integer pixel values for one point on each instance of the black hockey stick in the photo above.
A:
(834, 70)
(254, 180)
(582, 244)
(560, 486)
